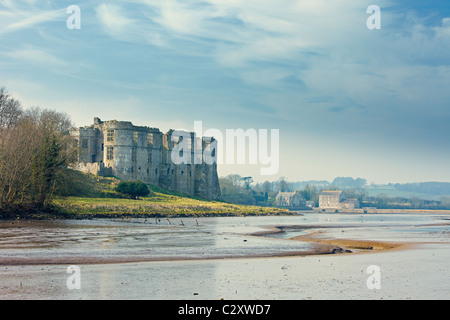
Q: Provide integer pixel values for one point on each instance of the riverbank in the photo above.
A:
(156, 206)
(167, 206)
(88, 196)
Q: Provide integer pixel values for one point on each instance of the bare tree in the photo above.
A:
(17, 147)
(54, 152)
(10, 110)
(283, 185)
(35, 148)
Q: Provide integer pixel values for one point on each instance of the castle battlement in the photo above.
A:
(130, 152)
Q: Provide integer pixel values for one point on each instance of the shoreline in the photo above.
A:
(171, 210)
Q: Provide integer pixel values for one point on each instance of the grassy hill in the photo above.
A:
(87, 196)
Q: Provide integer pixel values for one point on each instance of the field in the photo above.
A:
(390, 191)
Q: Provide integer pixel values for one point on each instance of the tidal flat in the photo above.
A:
(305, 256)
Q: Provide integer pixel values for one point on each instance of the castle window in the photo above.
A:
(149, 156)
(150, 138)
(110, 135)
(84, 143)
(109, 153)
(134, 154)
(156, 171)
(135, 136)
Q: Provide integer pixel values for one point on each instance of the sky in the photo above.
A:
(347, 100)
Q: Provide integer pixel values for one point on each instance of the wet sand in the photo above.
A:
(333, 246)
(420, 273)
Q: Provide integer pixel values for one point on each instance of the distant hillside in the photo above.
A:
(432, 188)
(404, 191)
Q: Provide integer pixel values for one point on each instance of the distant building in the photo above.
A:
(310, 204)
(335, 199)
(349, 204)
(290, 199)
(330, 199)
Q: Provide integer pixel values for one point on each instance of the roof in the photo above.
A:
(287, 194)
(330, 193)
(349, 201)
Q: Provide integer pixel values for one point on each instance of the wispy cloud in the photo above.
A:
(37, 57)
(112, 17)
(22, 14)
(311, 65)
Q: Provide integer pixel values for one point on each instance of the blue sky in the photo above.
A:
(348, 101)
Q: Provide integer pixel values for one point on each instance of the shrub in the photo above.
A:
(133, 189)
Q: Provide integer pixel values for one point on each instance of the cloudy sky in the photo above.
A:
(348, 101)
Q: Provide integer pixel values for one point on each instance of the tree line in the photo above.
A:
(35, 148)
(242, 190)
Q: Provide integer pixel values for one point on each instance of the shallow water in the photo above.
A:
(190, 238)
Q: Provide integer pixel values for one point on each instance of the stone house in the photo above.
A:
(349, 204)
(330, 199)
(290, 199)
(335, 199)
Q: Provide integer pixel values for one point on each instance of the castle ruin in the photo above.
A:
(129, 152)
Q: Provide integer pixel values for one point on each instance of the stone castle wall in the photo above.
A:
(131, 152)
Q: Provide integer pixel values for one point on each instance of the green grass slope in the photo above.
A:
(88, 196)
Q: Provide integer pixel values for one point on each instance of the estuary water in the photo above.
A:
(224, 258)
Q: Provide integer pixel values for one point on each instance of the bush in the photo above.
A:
(133, 189)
